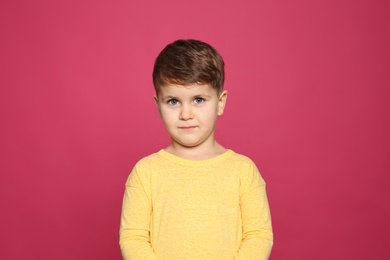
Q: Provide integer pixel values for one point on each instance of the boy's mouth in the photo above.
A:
(187, 127)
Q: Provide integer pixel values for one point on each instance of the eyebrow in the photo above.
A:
(168, 97)
(202, 95)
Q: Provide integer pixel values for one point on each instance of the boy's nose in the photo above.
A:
(186, 114)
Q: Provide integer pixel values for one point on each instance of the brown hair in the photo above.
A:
(186, 62)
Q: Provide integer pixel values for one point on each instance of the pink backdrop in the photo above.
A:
(309, 103)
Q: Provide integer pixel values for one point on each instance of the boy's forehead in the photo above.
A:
(177, 89)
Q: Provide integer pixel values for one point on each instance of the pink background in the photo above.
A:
(309, 103)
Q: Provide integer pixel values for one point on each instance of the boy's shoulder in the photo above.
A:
(240, 159)
(149, 159)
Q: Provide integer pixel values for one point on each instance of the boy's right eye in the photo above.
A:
(173, 102)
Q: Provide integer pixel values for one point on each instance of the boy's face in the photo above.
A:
(189, 113)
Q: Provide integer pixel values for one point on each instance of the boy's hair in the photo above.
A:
(186, 62)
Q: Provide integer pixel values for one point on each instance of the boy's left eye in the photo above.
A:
(199, 100)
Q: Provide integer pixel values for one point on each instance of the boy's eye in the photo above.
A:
(199, 100)
(173, 101)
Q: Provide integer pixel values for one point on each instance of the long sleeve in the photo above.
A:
(175, 208)
(135, 220)
(257, 238)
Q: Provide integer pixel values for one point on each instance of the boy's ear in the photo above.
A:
(156, 102)
(222, 102)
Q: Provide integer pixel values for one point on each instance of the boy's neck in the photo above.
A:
(196, 153)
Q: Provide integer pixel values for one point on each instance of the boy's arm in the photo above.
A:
(135, 221)
(257, 237)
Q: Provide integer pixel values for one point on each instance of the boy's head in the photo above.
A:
(188, 62)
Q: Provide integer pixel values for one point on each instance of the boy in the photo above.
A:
(194, 199)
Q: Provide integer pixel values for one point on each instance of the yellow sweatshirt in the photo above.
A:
(181, 209)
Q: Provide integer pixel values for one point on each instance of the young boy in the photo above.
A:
(194, 199)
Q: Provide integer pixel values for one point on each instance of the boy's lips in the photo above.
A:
(187, 127)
